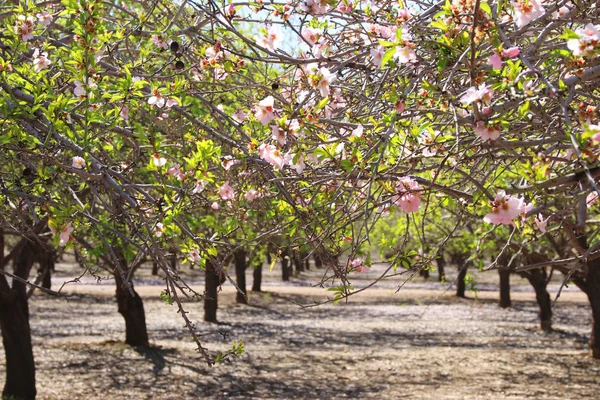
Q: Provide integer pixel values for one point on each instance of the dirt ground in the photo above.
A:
(420, 343)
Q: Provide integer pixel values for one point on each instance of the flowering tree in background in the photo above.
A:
(163, 123)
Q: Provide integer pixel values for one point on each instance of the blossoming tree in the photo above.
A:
(167, 113)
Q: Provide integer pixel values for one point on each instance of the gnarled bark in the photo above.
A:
(539, 281)
(16, 332)
(131, 307)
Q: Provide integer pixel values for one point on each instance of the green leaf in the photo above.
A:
(387, 56)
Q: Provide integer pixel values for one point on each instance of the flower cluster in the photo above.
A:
(506, 208)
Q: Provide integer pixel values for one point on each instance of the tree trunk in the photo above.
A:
(460, 284)
(47, 265)
(592, 286)
(285, 268)
(16, 333)
(132, 310)
(504, 274)
(538, 279)
(154, 268)
(318, 261)
(441, 263)
(424, 272)
(297, 262)
(304, 259)
(240, 276)
(211, 285)
(257, 275)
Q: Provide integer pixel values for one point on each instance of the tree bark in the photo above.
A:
(257, 275)
(318, 261)
(132, 310)
(592, 289)
(16, 332)
(154, 268)
(240, 276)
(504, 274)
(538, 279)
(460, 284)
(211, 284)
(424, 273)
(297, 262)
(441, 263)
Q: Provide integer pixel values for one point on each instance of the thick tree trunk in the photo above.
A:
(504, 274)
(460, 284)
(154, 268)
(285, 265)
(257, 275)
(538, 279)
(211, 285)
(16, 333)
(441, 263)
(592, 286)
(424, 273)
(240, 276)
(132, 310)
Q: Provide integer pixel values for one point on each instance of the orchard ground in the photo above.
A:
(419, 343)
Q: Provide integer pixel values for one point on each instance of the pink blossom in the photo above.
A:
(80, 88)
(588, 41)
(199, 187)
(270, 154)
(358, 131)
(473, 94)
(299, 165)
(326, 78)
(264, 112)
(124, 113)
(512, 52)
(506, 208)
(228, 162)
(159, 42)
(405, 55)
(486, 133)
(226, 191)
(495, 61)
(399, 107)
(271, 40)
(194, 256)
(239, 116)
(377, 55)
(40, 60)
(158, 160)
(78, 162)
(408, 195)
(591, 198)
(157, 99)
(526, 11)
(311, 35)
(45, 18)
(170, 103)
(159, 229)
(252, 195)
(64, 234)
(24, 27)
(214, 205)
(278, 134)
(541, 223)
(357, 265)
